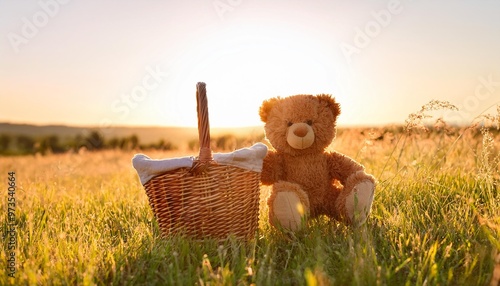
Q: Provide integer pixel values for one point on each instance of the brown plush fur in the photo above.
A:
(316, 171)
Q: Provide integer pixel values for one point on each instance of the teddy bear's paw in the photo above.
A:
(288, 210)
(288, 205)
(359, 202)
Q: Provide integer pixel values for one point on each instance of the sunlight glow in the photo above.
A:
(242, 71)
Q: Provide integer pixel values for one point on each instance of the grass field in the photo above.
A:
(84, 219)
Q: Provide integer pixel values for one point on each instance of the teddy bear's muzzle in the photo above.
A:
(300, 136)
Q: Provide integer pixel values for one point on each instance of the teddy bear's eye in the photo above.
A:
(309, 122)
(289, 123)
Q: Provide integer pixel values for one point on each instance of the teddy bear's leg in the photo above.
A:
(288, 204)
(355, 201)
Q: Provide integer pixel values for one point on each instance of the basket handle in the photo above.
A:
(205, 155)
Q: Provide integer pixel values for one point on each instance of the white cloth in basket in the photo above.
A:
(247, 158)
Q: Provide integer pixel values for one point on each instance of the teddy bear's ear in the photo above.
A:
(330, 103)
(266, 107)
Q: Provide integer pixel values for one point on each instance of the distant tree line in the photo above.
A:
(93, 141)
(227, 142)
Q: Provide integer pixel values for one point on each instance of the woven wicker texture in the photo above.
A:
(222, 201)
(209, 199)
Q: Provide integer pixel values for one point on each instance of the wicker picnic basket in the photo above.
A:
(208, 199)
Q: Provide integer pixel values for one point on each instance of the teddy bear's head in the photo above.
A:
(300, 124)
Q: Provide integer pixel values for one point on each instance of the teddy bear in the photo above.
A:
(306, 180)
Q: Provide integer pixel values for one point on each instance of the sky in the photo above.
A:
(117, 63)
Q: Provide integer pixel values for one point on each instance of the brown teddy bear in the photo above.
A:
(305, 179)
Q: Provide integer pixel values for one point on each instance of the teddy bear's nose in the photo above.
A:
(300, 131)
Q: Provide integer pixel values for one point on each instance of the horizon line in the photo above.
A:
(70, 125)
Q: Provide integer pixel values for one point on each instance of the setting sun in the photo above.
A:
(242, 71)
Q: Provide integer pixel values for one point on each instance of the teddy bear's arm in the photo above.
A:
(272, 168)
(341, 166)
